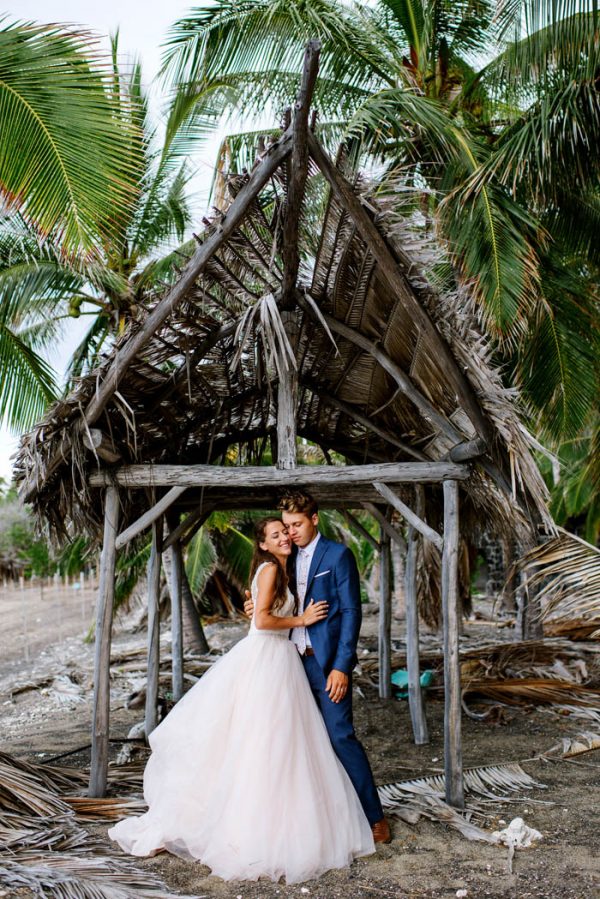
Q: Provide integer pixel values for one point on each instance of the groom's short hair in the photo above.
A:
(297, 501)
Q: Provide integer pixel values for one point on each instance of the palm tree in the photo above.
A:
(68, 173)
(487, 111)
(42, 288)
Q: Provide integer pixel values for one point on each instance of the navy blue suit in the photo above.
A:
(333, 576)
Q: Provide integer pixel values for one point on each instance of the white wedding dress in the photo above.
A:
(242, 774)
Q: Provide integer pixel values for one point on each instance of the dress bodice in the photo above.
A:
(282, 612)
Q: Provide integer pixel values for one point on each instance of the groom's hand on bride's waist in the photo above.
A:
(337, 685)
(248, 604)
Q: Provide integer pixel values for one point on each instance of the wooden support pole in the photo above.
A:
(471, 449)
(154, 566)
(452, 712)
(385, 618)
(408, 514)
(177, 620)
(355, 523)
(386, 525)
(268, 476)
(153, 514)
(104, 613)
(413, 665)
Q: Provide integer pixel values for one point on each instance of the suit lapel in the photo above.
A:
(320, 550)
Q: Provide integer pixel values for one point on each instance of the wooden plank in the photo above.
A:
(269, 164)
(453, 765)
(104, 613)
(267, 476)
(413, 663)
(287, 402)
(386, 525)
(145, 520)
(154, 566)
(385, 618)
(408, 514)
(396, 278)
(177, 620)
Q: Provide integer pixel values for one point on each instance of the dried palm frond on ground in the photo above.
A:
(565, 573)
(425, 796)
(70, 877)
(528, 690)
(570, 746)
(112, 809)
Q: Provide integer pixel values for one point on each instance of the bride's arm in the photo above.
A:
(264, 617)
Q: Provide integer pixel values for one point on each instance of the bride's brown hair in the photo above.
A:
(262, 555)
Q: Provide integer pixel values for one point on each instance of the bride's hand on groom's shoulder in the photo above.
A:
(248, 604)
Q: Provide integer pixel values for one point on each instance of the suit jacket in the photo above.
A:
(333, 576)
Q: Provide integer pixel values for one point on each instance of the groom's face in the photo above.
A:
(302, 528)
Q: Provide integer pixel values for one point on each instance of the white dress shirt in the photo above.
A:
(303, 561)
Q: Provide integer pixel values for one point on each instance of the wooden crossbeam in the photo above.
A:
(386, 525)
(149, 517)
(408, 514)
(182, 476)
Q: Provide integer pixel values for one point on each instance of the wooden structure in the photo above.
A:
(294, 318)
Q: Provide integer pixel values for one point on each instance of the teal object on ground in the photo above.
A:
(400, 681)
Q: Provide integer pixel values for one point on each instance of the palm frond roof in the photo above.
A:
(205, 381)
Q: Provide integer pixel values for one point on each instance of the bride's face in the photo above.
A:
(277, 539)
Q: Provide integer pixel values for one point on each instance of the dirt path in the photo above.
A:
(424, 860)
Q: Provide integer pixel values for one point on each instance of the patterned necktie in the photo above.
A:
(301, 579)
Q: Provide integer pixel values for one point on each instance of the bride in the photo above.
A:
(242, 774)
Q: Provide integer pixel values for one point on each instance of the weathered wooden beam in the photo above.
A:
(287, 401)
(398, 283)
(404, 382)
(299, 169)
(200, 514)
(266, 476)
(145, 520)
(385, 618)
(269, 164)
(386, 525)
(355, 523)
(152, 672)
(413, 664)
(101, 445)
(408, 514)
(176, 592)
(453, 766)
(104, 613)
(470, 449)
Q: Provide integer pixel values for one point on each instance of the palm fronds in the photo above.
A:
(565, 572)
(66, 163)
(424, 796)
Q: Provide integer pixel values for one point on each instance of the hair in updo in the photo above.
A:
(262, 555)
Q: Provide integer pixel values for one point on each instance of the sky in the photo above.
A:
(143, 26)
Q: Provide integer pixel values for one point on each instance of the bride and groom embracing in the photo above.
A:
(257, 770)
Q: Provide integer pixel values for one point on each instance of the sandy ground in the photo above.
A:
(424, 860)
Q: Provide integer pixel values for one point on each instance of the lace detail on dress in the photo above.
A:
(282, 612)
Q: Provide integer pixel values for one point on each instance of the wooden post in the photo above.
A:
(104, 613)
(177, 620)
(287, 402)
(385, 619)
(415, 694)
(452, 711)
(153, 628)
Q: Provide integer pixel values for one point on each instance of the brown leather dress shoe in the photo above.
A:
(381, 831)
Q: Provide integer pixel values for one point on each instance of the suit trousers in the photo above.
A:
(338, 721)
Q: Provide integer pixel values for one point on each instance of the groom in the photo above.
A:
(324, 570)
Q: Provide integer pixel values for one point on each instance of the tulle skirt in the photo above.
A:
(242, 775)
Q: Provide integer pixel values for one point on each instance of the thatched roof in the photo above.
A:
(196, 390)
